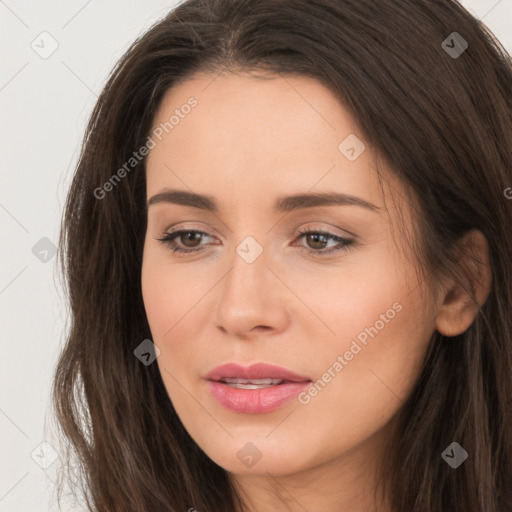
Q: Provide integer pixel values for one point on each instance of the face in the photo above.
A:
(315, 287)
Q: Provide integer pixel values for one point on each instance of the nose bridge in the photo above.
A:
(248, 273)
(247, 296)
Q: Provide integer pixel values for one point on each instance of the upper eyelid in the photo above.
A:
(329, 230)
(169, 230)
(300, 234)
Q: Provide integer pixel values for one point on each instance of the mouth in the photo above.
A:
(258, 388)
(234, 382)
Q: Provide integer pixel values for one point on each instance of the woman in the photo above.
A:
(289, 264)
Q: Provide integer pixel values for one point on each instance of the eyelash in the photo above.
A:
(168, 240)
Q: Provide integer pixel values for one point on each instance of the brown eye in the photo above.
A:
(316, 241)
(189, 238)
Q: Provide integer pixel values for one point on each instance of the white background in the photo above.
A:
(44, 105)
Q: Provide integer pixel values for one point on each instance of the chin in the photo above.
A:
(258, 457)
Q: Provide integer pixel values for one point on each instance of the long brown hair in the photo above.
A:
(439, 114)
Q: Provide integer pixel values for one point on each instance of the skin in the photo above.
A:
(246, 143)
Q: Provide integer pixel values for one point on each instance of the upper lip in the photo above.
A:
(254, 371)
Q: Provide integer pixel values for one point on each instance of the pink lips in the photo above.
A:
(255, 401)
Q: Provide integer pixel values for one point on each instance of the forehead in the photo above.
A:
(245, 132)
(276, 109)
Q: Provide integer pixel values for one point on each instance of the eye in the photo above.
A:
(320, 238)
(190, 238)
(169, 240)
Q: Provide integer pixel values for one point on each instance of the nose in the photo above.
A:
(251, 299)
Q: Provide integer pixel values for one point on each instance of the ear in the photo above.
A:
(458, 308)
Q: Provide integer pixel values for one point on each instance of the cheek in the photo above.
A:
(168, 298)
(158, 296)
(382, 330)
(176, 305)
(170, 293)
(352, 298)
(164, 303)
(381, 359)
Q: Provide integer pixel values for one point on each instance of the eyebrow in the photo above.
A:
(282, 204)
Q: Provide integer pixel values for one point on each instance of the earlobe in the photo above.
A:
(458, 309)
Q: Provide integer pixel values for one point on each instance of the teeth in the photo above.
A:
(235, 382)
(249, 386)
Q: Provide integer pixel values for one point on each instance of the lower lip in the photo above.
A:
(255, 401)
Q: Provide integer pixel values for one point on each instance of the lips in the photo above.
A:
(256, 371)
(254, 389)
